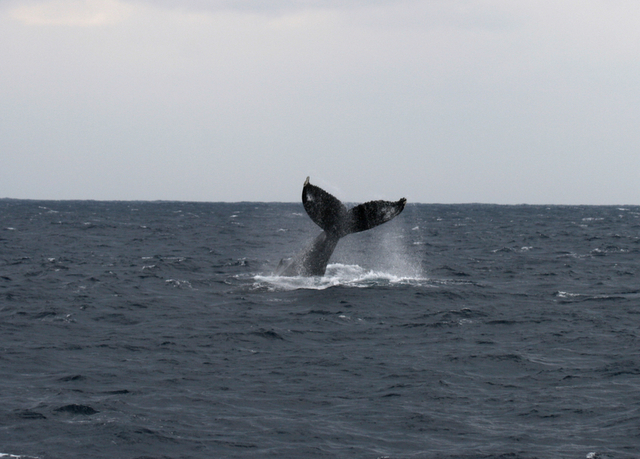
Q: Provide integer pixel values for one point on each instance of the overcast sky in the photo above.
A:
(440, 101)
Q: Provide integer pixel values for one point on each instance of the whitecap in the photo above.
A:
(561, 294)
(176, 283)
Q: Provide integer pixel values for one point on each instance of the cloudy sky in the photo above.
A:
(441, 101)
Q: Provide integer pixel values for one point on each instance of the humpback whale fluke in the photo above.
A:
(337, 221)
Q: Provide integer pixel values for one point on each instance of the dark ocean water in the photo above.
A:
(156, 330)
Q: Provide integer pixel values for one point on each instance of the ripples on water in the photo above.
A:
(156, 330)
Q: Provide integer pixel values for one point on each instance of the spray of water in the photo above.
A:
(387, 255)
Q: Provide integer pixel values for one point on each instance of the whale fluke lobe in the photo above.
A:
(325, 210)
(373, 213)
(337, 221)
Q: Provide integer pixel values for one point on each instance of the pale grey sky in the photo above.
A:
(448, 101)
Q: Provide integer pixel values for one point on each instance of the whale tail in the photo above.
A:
(337, 221)
(331, 215)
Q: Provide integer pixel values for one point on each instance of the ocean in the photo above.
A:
(158, 330)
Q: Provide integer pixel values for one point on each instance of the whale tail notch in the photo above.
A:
(331, 215)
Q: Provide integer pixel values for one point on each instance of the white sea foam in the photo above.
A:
(14, 456)
(338, 274)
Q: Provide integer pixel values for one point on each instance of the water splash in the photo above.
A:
(338, 274)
